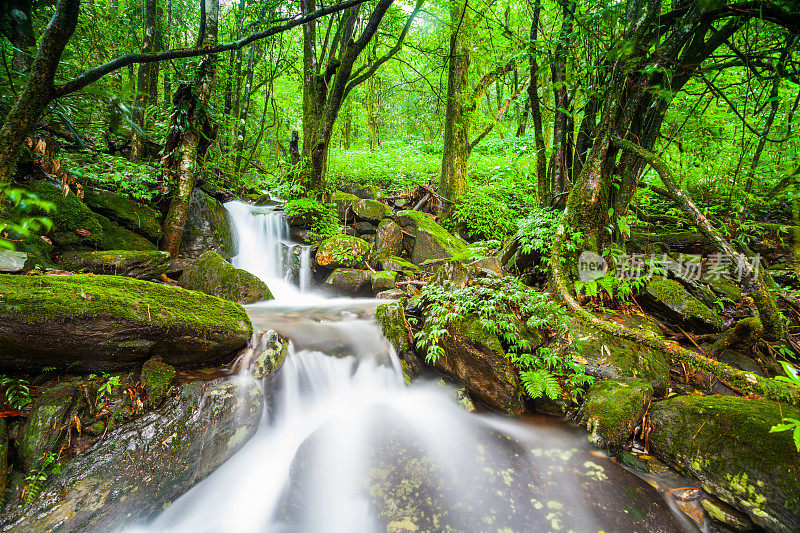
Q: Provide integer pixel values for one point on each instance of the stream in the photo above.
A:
(346, 446)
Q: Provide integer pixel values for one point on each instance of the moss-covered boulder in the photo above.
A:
(138, 469)
(266, 355)
(350, 206)
(104, 323)
(725, 442)
(73, 222)
(475, 357)
(612, 410)
(208, 227)
(610, 357)
(132, 263)
(383, 280)
(128, 213)
(392, 320)
(349, 281)
(398, 265)
(211, 274)
(431, 242)
(342, 251)
(14, 262)
(47, 424)
(156, 379)
(670, 300)
(115, 237)
(388, 238)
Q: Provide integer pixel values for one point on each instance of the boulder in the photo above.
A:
(15, 262)
(725, 442)
(383, 280)
(138, 469)
(104, 323)
(69, 216)
(349, 205)
(211, 274)
(208, 227)
(431, 242)
(348, 281)
(343, 251)
(156, 379)
(613, 409)
(475, 357)
(388, 238)
(131, 263)
(398, 265)
(670, 300)
(3, 455)
(115, 237)
(268, 351)
(127, 213)
(391, 318)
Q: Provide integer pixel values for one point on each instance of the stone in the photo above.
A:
(128, 213)
(388, 238)
(211, 274)
(350, 206)
(431, 242)
(348, 281)
(15, 262)
(383, 280)
(725, 443)
(138, 469)
(69, 215)
(398, 265)
(115, 237)
(208, 227)
(156, 379)
(394, 294)
(132, 263)
(342, 251)
(3, 455)
(391, 318)
(105, 323)
(612, 410)
(727, 515)
(269, 351)
(668, 299)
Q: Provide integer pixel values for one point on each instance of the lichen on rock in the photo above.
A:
(211, 274)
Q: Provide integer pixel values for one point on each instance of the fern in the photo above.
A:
(538, 383)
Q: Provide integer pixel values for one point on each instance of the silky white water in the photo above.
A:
(345, 446)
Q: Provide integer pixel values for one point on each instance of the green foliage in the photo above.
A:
(789, 424)
(536, 232)
(17, 393)
(321, 218)
(35, 480)
(107, 385)
(117, 174)
(22, 214)
(507, 308)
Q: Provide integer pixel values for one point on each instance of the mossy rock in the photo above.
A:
(15, 262)
(39, 251)
(343, 251)
(724, 287)
(613, 408)
(46, 426)
(115, 237)
(69, 216)
(208, 227)
(3, 456)
(670, 300)
(131, 263)
(431, 242)
(610, 357)
(391, 318)
(398, 265)
(349, 281)
(130, 214)
(269, 353)
(383, 280)
(725, 442)
(142, 466)
(350, 206)
(156, 379)
(211, 274)
(105, 323)
(388, 238)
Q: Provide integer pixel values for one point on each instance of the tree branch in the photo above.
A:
(500, 114)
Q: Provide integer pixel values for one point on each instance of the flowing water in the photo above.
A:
(345, 446)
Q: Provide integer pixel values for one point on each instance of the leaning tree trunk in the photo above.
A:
(21, 33)
(193, 102)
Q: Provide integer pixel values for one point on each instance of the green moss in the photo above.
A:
(391, 319)
(156, 379)
(343, 251)
(69, 215)
(39, 297)
(383, 280)
(432, 243)
(130, 214)
(425, 222)
(115, 237)
(211, 274)
(613, 408)
(147, 264)
(348, 280)
(672, 294)
(398, 264)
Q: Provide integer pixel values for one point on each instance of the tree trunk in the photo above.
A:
(167, 44)
(244, 110)
(145, 81)
(372, 106)
(544, 190)
(20, 33)
(561, 130)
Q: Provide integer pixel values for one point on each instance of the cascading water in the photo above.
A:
(345, 446)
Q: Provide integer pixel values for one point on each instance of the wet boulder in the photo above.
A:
(392, 320)
(211, 274)
(266, 354)
(208, 227)
(725, 442)
(73, 222)
(388, 238)
(104, 323)
(156, 379)
(398, 265)
(428, 242)
(15, 262)
(128, 213)
(115, 237)
(348, 281)
(138, 469)
(612, 410)
(140, 264)
(383, 280)
(342, 251)
(350, 206)
(669, 299)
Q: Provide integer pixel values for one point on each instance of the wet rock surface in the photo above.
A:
(208, 227)
(136, 264)
(211, 274)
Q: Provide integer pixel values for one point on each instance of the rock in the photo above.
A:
(724, 287)
(342, 251)
(15, 262)
(269, 351)
(135, 471)
(725, 442)
(68, 216)
(211, 274)
(115, 237)
(391, 318)
(609, 357)
(398, 265)
(476, 358)
(208, 227)
(613, 409)
(388, 238)
(46, 426)
(127, 213)
(349, 281)
(104, 323)
(156, 379)
(384, 280)
(370, 192)
(727, 515)
(134, 264)
(349, 205)
(365, 228)
(3, 455)
(431, 242)
(668, 299)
